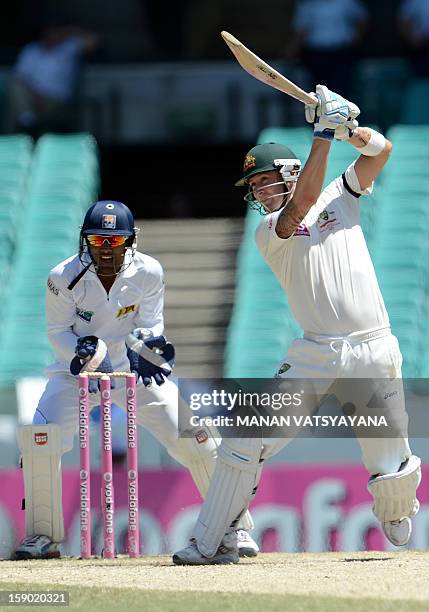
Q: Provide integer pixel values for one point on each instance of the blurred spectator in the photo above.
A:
(326, 38)
(262, 26)
(414, 27)
(42, 87)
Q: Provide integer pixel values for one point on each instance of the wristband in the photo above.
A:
(375, 146)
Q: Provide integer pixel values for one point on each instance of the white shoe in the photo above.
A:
(36, 547)
(226, 553)
(247, 546)
(398, 532)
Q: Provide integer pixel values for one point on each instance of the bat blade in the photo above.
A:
(262, 71)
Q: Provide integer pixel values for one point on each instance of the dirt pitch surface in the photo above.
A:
(389, 575)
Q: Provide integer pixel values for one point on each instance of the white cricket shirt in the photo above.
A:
(136, 300)
(325, 267)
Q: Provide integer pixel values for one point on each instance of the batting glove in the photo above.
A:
(152, 358)
(91, 356)
(332, 116)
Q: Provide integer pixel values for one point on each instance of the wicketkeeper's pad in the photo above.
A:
(40, 447)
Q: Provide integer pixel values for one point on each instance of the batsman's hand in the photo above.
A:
(91, 356)
(333, 116)
(150, 359)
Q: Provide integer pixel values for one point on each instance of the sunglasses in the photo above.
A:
(95, 240)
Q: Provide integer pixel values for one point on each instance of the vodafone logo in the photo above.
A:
(105, 395)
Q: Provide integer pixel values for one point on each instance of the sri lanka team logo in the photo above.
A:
(108, 222)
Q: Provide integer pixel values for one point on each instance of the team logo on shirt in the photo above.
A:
(301, 230)
(327, 220)
(85, 315)
(108, 222)
(122, 312)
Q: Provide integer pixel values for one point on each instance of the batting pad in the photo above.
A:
(233, 485)
(200, 459)
(40, 447)
(395, 494)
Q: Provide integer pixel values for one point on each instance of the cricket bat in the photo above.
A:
(262, 71)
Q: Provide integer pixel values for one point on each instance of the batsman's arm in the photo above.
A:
(374, 151)
(307, 191)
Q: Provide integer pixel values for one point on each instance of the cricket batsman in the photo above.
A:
(312, 239)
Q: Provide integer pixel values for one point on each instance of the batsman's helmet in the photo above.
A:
(266, 157)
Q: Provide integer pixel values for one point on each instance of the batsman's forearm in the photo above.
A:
(370, 143)
(307, 191)
(310, 182)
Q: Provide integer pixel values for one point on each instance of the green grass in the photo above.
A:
(107, 600)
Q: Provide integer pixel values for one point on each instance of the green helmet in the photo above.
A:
(266, 157)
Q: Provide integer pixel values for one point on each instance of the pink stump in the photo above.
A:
(132, 469)
(107, 495)
(84, 469)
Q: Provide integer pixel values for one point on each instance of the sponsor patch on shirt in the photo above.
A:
(85, 315)
(301, 230)
(108, 222)
(52, 287)
(122, 312)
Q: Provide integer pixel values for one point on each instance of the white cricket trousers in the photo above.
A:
(368, 355)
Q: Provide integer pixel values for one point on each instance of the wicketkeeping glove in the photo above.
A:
(91, 356)
(333, 116)
(152, 358)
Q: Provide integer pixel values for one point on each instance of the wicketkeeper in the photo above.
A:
(312, 239)
(104, 310)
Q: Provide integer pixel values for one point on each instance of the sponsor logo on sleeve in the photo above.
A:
(125, 310)
(52, 287)
(302, 230)
(85, 315)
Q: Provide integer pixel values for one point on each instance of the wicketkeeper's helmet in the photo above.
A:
(108, 217)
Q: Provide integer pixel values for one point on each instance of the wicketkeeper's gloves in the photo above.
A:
(150, 359)
(91, 356)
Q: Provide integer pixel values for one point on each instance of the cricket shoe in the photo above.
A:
(226, 553)
(247, 546)
(36, 547)
(398, 532)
